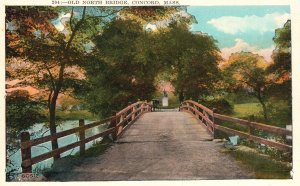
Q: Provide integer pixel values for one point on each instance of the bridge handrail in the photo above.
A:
(117, 125)
(129, 107)
(208, 116)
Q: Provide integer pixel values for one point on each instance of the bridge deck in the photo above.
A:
(161, 146)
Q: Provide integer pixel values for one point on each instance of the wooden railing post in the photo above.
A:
(213, 121)
(133, 113)
(25, 152)
(120, 128)
(130, 110)
(204, 114)
(113, 123)
(145, 106)
(251, 129)
(82, 137)
(182, 106)
(150, 107)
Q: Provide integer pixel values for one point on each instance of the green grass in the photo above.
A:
(243, 111)
(278, 116)
(97, 148)
(263, 166)
(246, 110)
(278, 111)
(76, 115)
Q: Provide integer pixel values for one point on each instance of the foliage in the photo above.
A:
(130, 58)
(21, 113)
(69, 103)
(282, 53)
(196, 53)
(32, 31)
(157, 14)
(52, 55)
(246, 71)
(279, 114)
(126, 65)
(264, 167)
(239, 97)
(221, 105)
(280, 70)
(76, 115)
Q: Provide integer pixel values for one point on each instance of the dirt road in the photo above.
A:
(161, 146)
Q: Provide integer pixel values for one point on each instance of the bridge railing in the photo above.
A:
(208, 119)
(117, 124)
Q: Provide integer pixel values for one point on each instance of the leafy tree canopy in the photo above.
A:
(280, 70)
(121, 67)
(247, 71)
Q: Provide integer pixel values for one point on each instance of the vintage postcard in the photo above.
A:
(150, 90)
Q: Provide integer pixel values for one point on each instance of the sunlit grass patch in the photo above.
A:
(245, 110)
(263, 166)
(76, 115)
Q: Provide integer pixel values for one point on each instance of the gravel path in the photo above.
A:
(161, 146)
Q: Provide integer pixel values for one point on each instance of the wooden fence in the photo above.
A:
(117, 125)
(208, 119)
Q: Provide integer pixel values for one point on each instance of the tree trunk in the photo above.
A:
(58, 85)
(181, 97)
(265, 110)
(52, 121)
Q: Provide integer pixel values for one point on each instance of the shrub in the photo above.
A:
(221, 105)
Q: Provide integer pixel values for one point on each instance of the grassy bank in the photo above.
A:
(245, 110)
(263, 166)
(278, 112)
(76, 115)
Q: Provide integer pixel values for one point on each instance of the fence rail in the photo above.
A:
(117, 125)
(208, 116)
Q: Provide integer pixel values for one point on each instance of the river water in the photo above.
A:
(38, 130)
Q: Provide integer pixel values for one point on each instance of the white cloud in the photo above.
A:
(60, 22)
(241, 45)
(266, 23)
(150, 26)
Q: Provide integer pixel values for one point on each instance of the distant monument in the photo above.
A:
(165, 99)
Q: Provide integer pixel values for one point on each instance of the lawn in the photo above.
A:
(263, 166)
(279, 114)
(246, 110)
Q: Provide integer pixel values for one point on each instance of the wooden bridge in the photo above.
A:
(158, 146)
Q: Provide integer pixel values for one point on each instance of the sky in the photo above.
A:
(241, 28)
(236, 28)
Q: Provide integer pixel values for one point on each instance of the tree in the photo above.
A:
(125, 59)
(192, 57)
(247, 71)
(32, 36)
(280, 70)
(121, 69)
